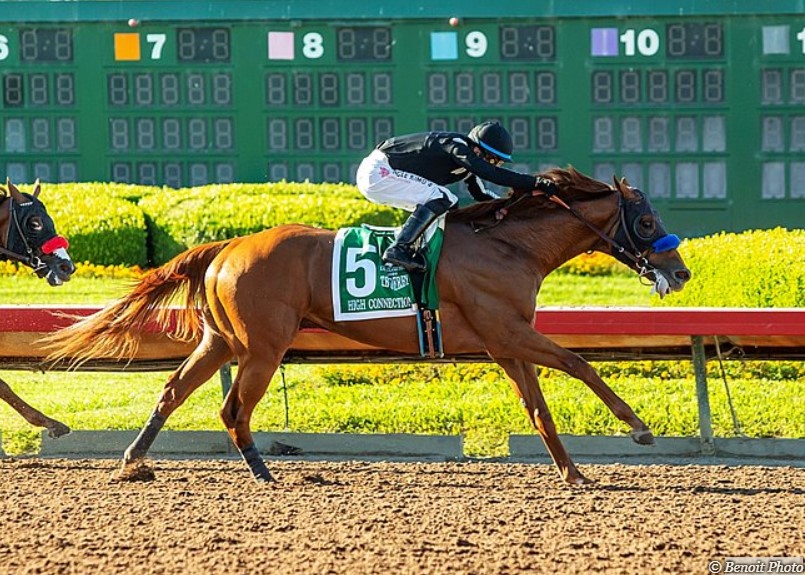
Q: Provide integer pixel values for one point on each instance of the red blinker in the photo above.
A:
(55, 243)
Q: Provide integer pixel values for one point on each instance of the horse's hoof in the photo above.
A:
(139, 471)
(578, 479)
(58, 429)
(265, 479)
(643, 437)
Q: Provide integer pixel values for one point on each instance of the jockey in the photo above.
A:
(410, 172)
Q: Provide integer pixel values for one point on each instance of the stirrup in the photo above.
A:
(410, 261)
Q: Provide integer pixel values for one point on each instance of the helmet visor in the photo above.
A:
(494, 152)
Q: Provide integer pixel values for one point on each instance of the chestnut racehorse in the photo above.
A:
(246, 299)
(27, 235)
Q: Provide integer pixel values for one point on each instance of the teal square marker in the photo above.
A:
(443, 46)
(775, 40)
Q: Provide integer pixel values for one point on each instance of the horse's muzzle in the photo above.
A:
(56, 267)
(667, 281)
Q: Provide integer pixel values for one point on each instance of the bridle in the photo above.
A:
(636, 257)
(28, 258)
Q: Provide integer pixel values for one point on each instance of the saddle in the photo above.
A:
(366, 288)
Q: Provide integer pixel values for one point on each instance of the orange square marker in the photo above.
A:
(127, 47)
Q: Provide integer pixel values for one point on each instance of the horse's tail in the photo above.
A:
(116, 330)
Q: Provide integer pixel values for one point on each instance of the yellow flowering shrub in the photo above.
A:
(758, 268)
(594, 264)
(83, 270)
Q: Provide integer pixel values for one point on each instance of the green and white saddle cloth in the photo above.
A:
(365, 288)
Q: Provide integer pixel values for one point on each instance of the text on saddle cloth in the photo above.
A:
(365, 288)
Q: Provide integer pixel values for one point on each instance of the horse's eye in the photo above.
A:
(35, 225)
(645, 227)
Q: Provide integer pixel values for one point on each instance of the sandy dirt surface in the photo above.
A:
(64, 516)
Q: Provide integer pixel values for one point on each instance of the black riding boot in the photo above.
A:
(401, 252)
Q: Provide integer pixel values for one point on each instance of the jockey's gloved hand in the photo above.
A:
(546, 186)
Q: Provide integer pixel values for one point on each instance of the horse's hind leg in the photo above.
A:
(526, 384)
(210, 354)
(254, 375)
(31, 415)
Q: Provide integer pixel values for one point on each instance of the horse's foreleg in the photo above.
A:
(526, 384)
(534, 347)
(202, 364)
(579, 368)
(31, 415)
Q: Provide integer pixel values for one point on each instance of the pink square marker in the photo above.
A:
(280, 45)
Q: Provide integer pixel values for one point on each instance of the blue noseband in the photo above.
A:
(666, 243)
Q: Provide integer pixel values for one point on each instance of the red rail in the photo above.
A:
(596, 333)
(550, 321)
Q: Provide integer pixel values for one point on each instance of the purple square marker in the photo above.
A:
(604, 41)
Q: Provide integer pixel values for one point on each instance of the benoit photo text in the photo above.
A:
(757, 565)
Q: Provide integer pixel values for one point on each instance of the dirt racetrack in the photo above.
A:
(64, 516)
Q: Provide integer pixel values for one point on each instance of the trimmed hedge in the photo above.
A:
(117, 224)
(121, 224)
(129, 192)
(760, 268)
(102, 225)
(179, 219)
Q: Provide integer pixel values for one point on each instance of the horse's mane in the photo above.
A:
(572, 184)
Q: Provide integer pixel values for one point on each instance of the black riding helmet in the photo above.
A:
(493, 138)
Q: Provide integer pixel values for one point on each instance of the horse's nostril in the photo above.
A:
(682, 275)
(66, 268)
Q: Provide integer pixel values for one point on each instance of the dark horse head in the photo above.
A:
(28, 235)
(635, 234)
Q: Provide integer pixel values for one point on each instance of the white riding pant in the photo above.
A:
(384, 185)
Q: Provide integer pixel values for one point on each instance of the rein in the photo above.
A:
(500, 214)
(638, 258)
(15, 256)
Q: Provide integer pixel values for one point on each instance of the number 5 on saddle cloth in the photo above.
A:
(366, 288)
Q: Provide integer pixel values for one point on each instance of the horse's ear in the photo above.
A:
(15, 193)
(623, 187)
(37, 188)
